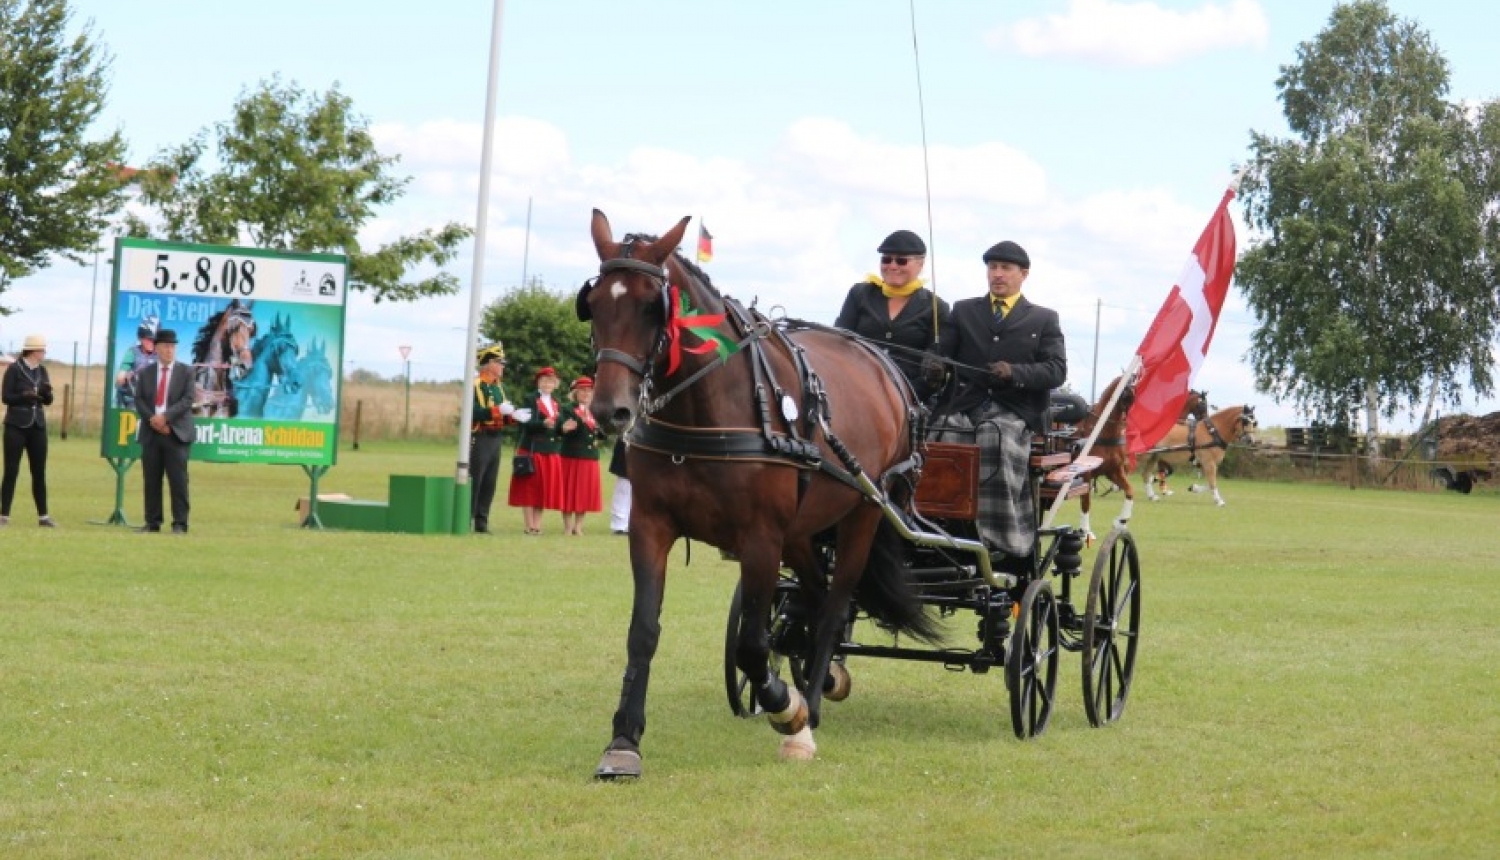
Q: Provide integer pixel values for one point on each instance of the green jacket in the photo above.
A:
(487, 399)
(582, 443)
(535, 436)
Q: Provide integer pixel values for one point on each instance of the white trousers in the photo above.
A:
(619, 506)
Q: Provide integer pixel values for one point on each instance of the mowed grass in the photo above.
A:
(1317, 678)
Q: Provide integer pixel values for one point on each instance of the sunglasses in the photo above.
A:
(900, 261)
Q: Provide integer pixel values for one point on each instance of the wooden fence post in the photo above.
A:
(359, 409)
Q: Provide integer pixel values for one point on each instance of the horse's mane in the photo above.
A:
(206, 336)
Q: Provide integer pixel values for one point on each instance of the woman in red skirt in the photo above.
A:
(580, 459)
(541, 438)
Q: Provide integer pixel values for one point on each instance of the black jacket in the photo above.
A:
(1030, 339)
(866, 313)
(25, 392)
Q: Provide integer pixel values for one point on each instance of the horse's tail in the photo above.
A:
(885, 591)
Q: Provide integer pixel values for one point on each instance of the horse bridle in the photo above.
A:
(642, 366)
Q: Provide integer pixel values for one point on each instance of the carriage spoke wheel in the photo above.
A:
(1111, 628)
(737, 684)
(1031, 661)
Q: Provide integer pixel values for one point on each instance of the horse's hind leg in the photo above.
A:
(648, 562)
(760, 565)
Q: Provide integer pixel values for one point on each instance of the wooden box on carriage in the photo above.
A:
(949, 488)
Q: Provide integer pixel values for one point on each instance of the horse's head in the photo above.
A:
(1196, 405)
(239, 328)
(1246, 424)
(628, 305)
(316, 374)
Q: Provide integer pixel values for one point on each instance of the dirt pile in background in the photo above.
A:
(1466, 438)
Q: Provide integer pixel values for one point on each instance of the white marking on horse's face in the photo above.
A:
(617, 290)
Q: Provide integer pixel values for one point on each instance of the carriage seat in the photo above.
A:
(949, 488)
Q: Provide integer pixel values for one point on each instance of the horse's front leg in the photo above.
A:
(648, 564)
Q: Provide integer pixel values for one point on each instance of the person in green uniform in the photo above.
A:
(492, 412)
(540, 437)
(580, 459)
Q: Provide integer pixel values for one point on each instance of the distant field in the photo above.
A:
(1317, 678)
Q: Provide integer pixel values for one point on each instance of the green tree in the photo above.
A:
(297, 172)
(57, 186)
(539, 328)
(1375, 277)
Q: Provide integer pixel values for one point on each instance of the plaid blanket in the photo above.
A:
(1007, 512)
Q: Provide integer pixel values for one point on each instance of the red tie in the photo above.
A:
(161, 386)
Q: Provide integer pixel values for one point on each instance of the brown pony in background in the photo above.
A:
(1110, 446)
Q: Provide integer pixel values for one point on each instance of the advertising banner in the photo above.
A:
(264, 332)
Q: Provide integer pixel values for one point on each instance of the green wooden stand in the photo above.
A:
(313, 473)
(121, 465)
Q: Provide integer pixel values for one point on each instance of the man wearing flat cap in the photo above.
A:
(492, 412)
(1008, 354)
(164, 403)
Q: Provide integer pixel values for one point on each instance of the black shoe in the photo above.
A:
(147, 530)
(482, 530)
(179, 529)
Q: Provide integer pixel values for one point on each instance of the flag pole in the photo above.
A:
(461, 498)
(1127, 378)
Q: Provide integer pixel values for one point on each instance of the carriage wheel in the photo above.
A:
(1111, 628)
(1031, 661)
(742, 699)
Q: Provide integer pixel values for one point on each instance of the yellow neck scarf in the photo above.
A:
(891, 292)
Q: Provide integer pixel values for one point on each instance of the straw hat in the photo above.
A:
(34, 341)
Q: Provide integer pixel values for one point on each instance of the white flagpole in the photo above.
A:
(1126, 378)
(461, 500)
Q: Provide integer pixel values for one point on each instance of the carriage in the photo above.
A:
(1024, 621)
(800, 450)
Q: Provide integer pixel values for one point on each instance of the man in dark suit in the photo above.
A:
(164, 403)
(1008, 355)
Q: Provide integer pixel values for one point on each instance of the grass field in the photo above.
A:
(1317, 678)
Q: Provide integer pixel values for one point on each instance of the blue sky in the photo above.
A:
(1097, 133)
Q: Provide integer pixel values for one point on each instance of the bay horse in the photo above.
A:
(221, 357)
(1109, 447)
(753, 438)
(1206, 447)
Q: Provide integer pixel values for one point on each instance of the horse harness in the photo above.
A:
(794, 446)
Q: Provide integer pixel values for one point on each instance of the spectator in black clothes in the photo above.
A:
(26, 388)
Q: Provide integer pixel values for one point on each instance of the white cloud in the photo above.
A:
(1135, 34)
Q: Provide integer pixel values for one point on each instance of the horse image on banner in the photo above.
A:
(221, 357)
(273, 369)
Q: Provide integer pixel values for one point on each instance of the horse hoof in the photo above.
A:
(619, 764)
(800, 747)
(838, 673)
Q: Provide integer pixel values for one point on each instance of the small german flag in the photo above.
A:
(705, 244)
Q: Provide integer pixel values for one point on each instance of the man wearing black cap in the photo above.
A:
(1008, 354)
(893, 309)
(164, 403)
(492, 412)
